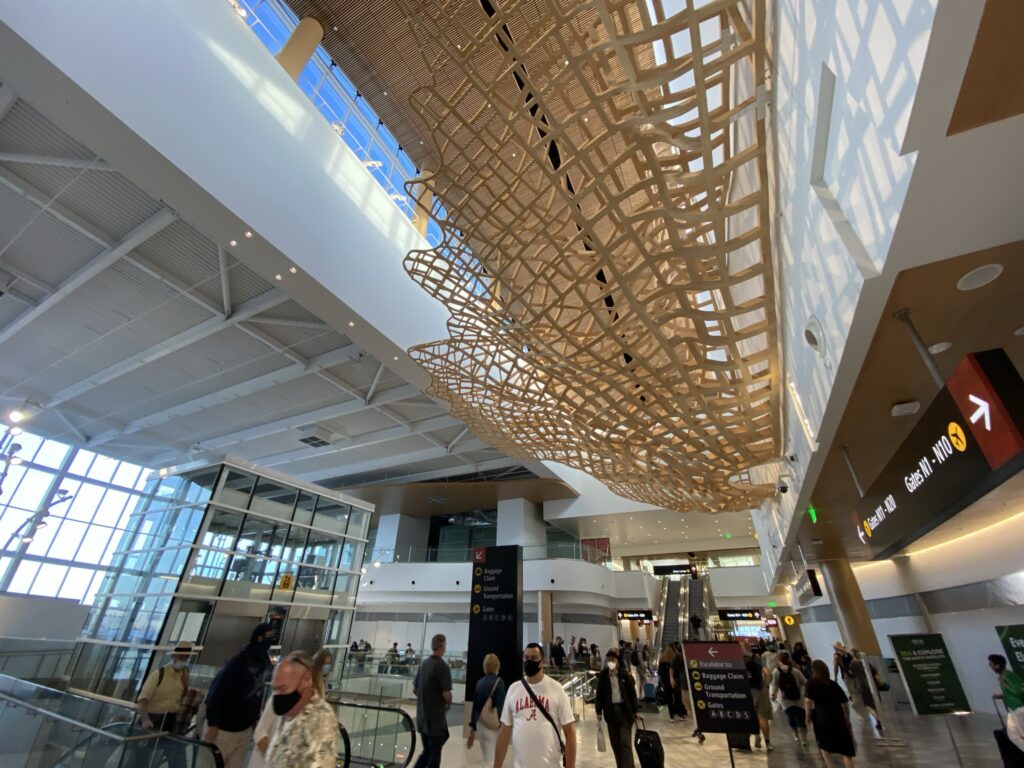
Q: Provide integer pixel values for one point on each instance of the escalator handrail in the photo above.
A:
(348, 745)
(71, 721)
(86, 740)
(410, 725)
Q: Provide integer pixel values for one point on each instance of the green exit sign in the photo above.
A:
(812, 513)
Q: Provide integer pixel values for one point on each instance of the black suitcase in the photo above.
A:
(649, 748)
(1012, 756)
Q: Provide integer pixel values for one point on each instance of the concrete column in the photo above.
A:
(545, 617)
(401, 538)
(650, 635)
(423, 201)
(634, 631)
(902, 565)
(521, 522)
(849, 606)
(300, 47)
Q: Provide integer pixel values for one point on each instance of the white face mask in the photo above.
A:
(179, 665)
(612, 665)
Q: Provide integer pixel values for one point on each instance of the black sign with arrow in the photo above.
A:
(720, 688)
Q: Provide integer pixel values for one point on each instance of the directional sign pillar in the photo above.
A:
(720, 688)
(495, 613)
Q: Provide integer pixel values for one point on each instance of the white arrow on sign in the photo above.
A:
(983, 412)
(712, 652)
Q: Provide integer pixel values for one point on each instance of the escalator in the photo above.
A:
(670, 614)
(45, 728)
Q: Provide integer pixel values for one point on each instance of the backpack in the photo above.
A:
(788, 685)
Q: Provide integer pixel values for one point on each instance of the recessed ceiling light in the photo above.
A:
(979, 277)
(233, 243)
(905, 409)
(1019, 331)
(293, 270)
(385, 93)
(248, 233)
(351, 324)
(335, 29)
(939, 347)
(396, 357)
(278, 277)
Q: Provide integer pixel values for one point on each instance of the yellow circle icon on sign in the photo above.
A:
(867, 529)
(478, 571)
(698, 687)
(476, 609)
(790, 621)
(693, 663)
(957, 436)
(477, 589)
(696, 675)
(701, 705)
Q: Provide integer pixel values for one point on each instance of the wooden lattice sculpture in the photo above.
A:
(598, 174)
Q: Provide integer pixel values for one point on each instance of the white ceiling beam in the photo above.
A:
(398, 459)
(361, 441)
(374, 383)
(172, 281)
(14, 293)
(133, 239)
(161, 349)
(437, 474)
(59, 162)
(7, 98)
(221, 396)
(458, 437)
(225, 282)
(54, 208)
(308, 417)
(26, 277)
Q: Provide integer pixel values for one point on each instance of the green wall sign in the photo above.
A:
(929, 673)
(1012, 638)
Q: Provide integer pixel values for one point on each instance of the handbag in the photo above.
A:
(548, 717)
(601, 745)
(489, 714)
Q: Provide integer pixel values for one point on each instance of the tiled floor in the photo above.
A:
(910, 742)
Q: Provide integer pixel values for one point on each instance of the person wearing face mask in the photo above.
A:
(616, 702)
(536, 714)
(234, 701)
(305, 733)
(161, 697)
(323, 663)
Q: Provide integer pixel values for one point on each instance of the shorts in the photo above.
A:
(797, 716)
(763, 704)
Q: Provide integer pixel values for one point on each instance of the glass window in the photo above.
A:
(304, 508)
(109, 510)
(68, 539)
(51, 454)
(236, 488)
(351, 556)
(43, 537)
(76, 584)
(358, 522)
(29, 445)
(23, 577)
(81, 463)
(223, 529)
(274, 500)
(31, 490)
(126, 475)
(331, 515)
(259, 540)
(294, 545)
(87, 499)
(94, 544)
(103, 469)
(49, 580)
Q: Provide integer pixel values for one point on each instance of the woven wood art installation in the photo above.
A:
(599, 177)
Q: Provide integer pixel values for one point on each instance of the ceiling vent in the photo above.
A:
(315, 437)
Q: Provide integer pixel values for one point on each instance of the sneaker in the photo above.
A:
(757, 742)
(671, 719)
(878, 727)
(768, 746)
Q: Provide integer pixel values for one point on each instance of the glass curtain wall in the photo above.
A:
(69, 551)
(209, 554)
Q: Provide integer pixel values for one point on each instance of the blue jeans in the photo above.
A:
(431, 755)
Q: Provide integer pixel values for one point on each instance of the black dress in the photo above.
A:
(830, 728)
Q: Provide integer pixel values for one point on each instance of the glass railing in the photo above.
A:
(561, 551)
(44, 727)
(46, 662)
(373, 734)
(380, 677)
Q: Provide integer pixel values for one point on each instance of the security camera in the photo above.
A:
(781, 486)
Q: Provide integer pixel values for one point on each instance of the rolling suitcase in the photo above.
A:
(1012, 756)
(649, 748)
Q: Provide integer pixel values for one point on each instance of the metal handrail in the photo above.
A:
(86, 740)
(71, 721)
(410, 726)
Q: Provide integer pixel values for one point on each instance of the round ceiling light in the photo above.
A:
(1019, 331)
(939, 347)
(980, 277)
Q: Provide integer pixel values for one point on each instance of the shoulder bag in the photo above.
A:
(489, 716)
(548, 717)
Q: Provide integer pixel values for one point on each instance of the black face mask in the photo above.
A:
(531, 667)
(264, 644)
(285, 702)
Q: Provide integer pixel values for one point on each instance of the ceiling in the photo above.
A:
(605, 194)
(659, 531)
(971, 321)
(137, 336)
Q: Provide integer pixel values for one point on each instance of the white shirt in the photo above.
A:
(533, 737)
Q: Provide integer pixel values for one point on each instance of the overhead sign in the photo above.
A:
(1012, 638)
(495, 612)
(929, 673)
(771, 622)
(679, 569)
(790, 620)
(720, 688)
(740, 614)
(646, 616)
(807, 587)
(968, 441)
